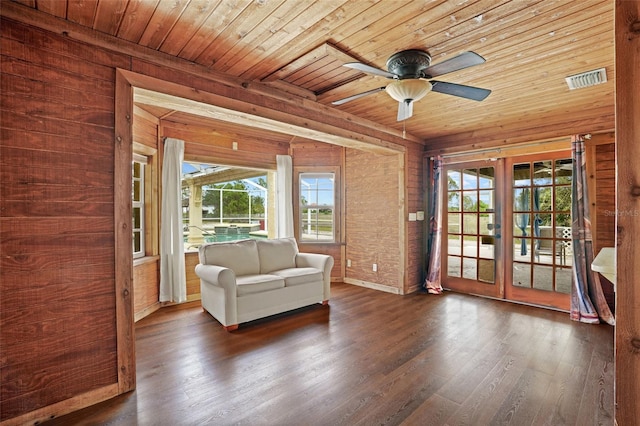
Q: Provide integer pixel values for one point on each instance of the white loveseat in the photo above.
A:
(245, 280)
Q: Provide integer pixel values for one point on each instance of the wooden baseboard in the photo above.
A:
(146, 311)
(373, 286)
(151, 309)
(64, 407)
(192, 297)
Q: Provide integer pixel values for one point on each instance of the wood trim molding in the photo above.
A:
(123, 237)
(601, 139)
(181, 98)
(375, 286)
(627, 331)
(485, 139)
(61, 408)
(531, 147)
(147, 311)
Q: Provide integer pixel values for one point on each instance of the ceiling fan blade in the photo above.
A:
(358, 96)
(460, 90)
(405, 109)
(369, 69)
(462, 61)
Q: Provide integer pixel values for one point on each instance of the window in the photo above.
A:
(317, 206)
(223, 203)
(138, 166)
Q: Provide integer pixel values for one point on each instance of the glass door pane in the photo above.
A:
(471, 223)
(541, 227)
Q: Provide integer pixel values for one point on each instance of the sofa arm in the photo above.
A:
(218, 276)
(218, 294)
(324, 262)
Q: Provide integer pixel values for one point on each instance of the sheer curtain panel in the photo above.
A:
(284, 193)
(173, 282)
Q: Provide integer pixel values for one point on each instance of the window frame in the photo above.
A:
(299, 172)
(139, 204)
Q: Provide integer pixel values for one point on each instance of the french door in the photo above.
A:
(508, 228)
(472, 220)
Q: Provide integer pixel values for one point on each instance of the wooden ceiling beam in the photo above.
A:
(210, 110)
(508, 134)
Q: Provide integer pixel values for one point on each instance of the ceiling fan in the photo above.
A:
(411, 72)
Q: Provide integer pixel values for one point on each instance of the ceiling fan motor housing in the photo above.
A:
(409, 63)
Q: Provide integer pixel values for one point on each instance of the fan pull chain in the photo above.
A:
(404, 129)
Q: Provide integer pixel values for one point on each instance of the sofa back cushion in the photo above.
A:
(239, 256)
(277, 254)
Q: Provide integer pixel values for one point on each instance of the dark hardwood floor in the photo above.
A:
(369, 358)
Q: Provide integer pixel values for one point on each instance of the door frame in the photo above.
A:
(503, 288)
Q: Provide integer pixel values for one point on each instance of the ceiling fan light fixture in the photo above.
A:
(409, 89)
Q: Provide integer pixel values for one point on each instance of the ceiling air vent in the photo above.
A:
(586, 79)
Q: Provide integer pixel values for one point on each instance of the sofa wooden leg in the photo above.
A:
(325, 302)
(230, 327)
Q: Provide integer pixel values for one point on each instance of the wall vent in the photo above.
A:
(586, 79)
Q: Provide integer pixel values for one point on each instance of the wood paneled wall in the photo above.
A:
(205, 145)
(605, 207)
(146, 272)
(58, 328)
(373, 231)
(415, 201)
(605, 191)
(146, 287)
(59, 344)
(193, 281)
(319, 155)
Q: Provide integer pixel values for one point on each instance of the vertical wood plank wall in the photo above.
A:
(627, 333)
(58, 327)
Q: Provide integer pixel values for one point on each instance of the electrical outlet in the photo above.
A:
(375, 267)
(348, 263)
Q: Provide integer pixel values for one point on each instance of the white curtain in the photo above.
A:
(284, 195)
(173, 281)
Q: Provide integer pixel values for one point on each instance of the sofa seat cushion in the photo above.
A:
(296, 276)
(249, 284)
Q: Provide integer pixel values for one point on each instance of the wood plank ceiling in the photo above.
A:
(530, 46)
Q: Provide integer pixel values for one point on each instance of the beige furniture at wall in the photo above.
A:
(245, 280)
